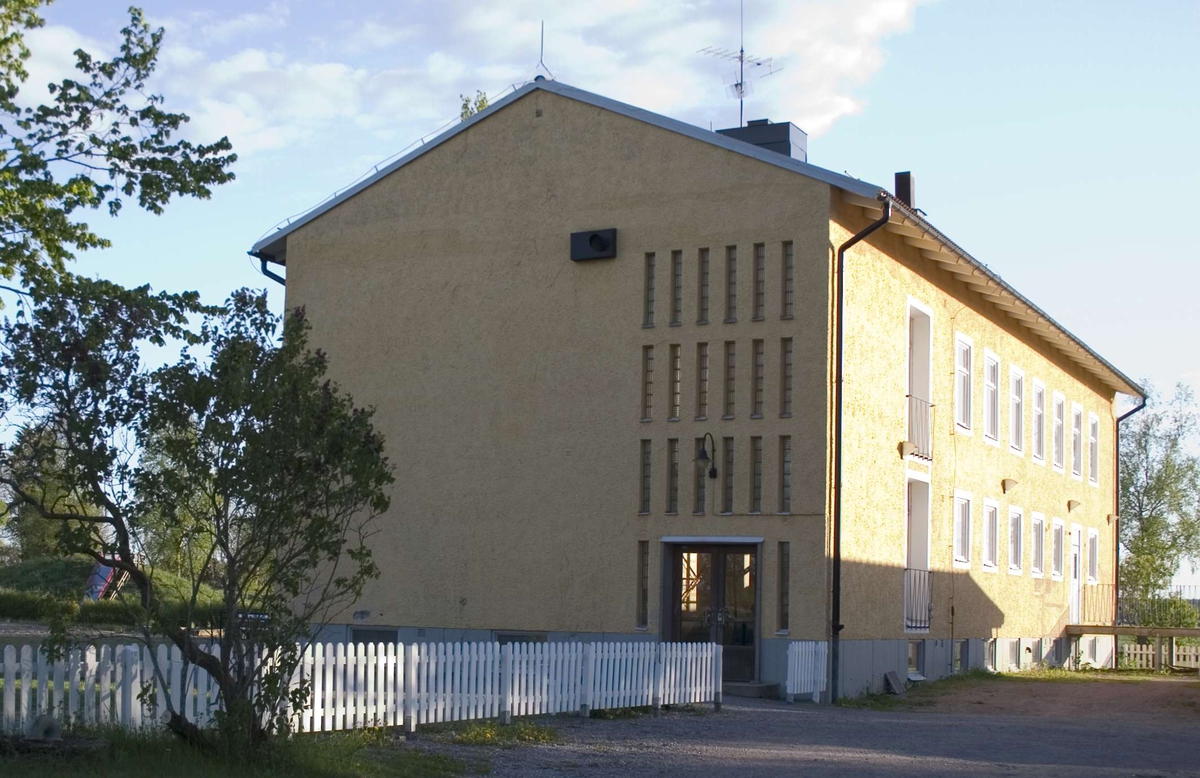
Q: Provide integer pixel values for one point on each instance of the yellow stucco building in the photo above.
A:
(604, 347)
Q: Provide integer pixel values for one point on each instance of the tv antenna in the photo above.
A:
(541, 65)
(739, 87)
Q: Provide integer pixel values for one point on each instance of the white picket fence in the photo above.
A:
(807, 670)
(377, 684)
(1142, 657)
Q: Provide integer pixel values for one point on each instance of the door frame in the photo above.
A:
(669, 544)
(1075, 576)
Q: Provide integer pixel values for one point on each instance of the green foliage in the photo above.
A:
(19, 605)
(249, 458)
(59, 577)
(1159, 494)
(491, 733)
(471, 107)
(102, 138)
(147, 754)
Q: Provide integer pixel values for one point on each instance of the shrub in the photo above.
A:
(32, 606)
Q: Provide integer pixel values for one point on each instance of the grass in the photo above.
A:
(491, 733)
(340, 755)
(925, 694)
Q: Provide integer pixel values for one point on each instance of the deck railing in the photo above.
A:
(918, 599)
(920, 427)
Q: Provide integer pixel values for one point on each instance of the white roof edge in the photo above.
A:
(271, 245)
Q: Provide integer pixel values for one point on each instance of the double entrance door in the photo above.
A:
(715, 599)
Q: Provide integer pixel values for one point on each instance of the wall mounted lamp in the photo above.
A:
(703, 460)
(1007, 485)
(1072, 505)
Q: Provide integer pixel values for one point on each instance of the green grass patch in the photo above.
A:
(339, 755)
(609, 714)
(491, 732)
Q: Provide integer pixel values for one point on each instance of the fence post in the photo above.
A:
(718, 675)
(506, 665)
(589, 669)
(1157, 662)
(410, 688)
(656, 700)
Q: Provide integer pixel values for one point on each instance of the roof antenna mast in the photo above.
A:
(541, 65)
(739, 87)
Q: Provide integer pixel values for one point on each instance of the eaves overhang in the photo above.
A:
(915, 230)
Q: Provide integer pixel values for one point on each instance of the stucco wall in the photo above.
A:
(507, 378)
(881, 277)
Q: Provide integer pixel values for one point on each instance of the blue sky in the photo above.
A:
(1054, 141)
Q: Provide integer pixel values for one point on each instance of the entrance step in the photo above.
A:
(750, 689)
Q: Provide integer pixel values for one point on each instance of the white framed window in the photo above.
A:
(1057, 550)
(1076, 442)
(991, 397)
(1016, 540)
(1059, 439)
(1093, 449)
(962, 529)
(1016, 410)
(1039, 422)
(1093, 570)
(1037, 534)
(991, 535)
(963, 361)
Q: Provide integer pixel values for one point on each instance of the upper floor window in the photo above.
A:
(648, 309)
(676, 287)
(785, 474)
(756, 474)
(1037, 534)
(1016, 421)
(991, 397)
(673, 475)
(702, 288)
(991, 535)
(676, 381)
(731, 283)
(1039, 422)
(1076, 441)
(789, 280)
(1016, 549)
(760, 368)
(644, 490)
(1093, 448)
(730, 377)
(1060, 432)
(701, 380)
(760, 281)
(785, 377)
(647, 382)
(963, 357)
(1057, 552)
(962, 529)
(727, 495)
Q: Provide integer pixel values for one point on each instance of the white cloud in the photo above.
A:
(52, 59)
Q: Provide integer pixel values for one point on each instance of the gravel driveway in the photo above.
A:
(761, 738)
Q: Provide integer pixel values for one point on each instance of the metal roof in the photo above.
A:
(273, 247)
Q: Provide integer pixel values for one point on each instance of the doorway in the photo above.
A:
(715, 599)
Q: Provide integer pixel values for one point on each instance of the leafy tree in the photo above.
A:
(101, 139)
(1159, 494)
(249, 452)
(471, 107)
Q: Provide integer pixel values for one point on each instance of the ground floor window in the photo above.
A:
(989, 655)
(960, 656)
(916, 657)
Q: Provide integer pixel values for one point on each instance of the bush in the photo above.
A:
(60, 577)
(33, 606)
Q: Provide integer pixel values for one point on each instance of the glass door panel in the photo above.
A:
(697, 609)
(737, 618)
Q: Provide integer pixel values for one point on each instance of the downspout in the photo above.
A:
(835, 626)
(269, 274)
(1117, 510)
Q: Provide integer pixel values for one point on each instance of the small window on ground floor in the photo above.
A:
(960, 656)
(916, 657)
(989, 655)
(1014, 654)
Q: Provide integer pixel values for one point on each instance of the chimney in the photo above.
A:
(786, 139)
(906, 189)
